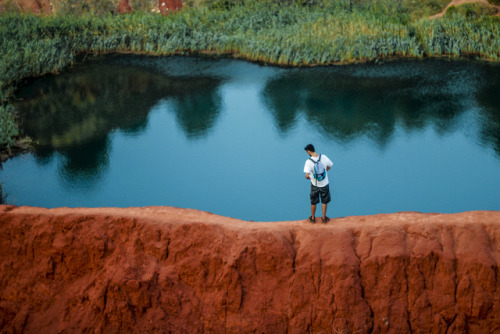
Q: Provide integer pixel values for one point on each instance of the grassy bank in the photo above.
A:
(287, 33)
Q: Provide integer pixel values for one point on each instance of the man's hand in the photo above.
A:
(307, 176)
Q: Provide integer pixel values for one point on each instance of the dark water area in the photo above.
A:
(227, 136)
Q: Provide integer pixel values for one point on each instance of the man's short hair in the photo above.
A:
(310, 148)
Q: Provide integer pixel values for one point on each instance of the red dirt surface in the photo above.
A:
(163, 269)
(168, 6)
(124, 6)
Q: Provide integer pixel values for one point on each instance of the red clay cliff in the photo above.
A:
(163, 270)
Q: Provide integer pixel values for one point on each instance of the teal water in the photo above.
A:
(227, 136)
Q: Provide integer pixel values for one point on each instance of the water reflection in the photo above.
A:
(344, 103)
(197, 110)
(83, 165)
(111, 133)
(74, 113)
(491, 129)
(489, 99)
(2, 196)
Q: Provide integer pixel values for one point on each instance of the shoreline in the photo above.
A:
(238, 56)
(21, 146)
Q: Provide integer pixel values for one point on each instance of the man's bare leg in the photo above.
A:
(313, 211)
(323, 208)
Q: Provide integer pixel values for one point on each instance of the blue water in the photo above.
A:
(227, 136)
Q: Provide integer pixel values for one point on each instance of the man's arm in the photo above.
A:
(307, 169)
(328, 164)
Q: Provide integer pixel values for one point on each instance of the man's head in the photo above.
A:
(309, 148)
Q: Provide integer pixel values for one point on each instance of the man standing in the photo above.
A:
(316, 169)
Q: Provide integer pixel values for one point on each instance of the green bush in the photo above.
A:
(470, 10)
(419, 9)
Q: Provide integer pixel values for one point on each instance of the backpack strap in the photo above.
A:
(319, 159)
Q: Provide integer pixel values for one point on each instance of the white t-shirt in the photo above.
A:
(309, 168)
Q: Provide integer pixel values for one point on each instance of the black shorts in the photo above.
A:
(317, 192)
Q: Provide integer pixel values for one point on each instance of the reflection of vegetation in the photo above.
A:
(76, 107)
(196, 113)
(341, 106)
(489, 99)
(73, 113)
(82, 164)
(491, 128)
(344, 103)
(2, 196)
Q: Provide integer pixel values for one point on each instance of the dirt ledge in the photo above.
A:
(163, 269)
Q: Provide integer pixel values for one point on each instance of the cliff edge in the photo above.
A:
(163, 269)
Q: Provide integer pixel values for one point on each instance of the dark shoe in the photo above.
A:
(312, 220)
(325, 220)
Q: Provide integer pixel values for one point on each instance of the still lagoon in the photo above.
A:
(228, 136)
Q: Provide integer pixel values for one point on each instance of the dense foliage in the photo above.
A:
(8, 128)
(282, 32)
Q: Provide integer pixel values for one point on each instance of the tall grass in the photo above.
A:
(8, 126)
(282, 32)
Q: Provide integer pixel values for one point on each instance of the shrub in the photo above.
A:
(470, 10)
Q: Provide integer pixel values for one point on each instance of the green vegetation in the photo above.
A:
(471, 10)
(8, 127)
(281, 32)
